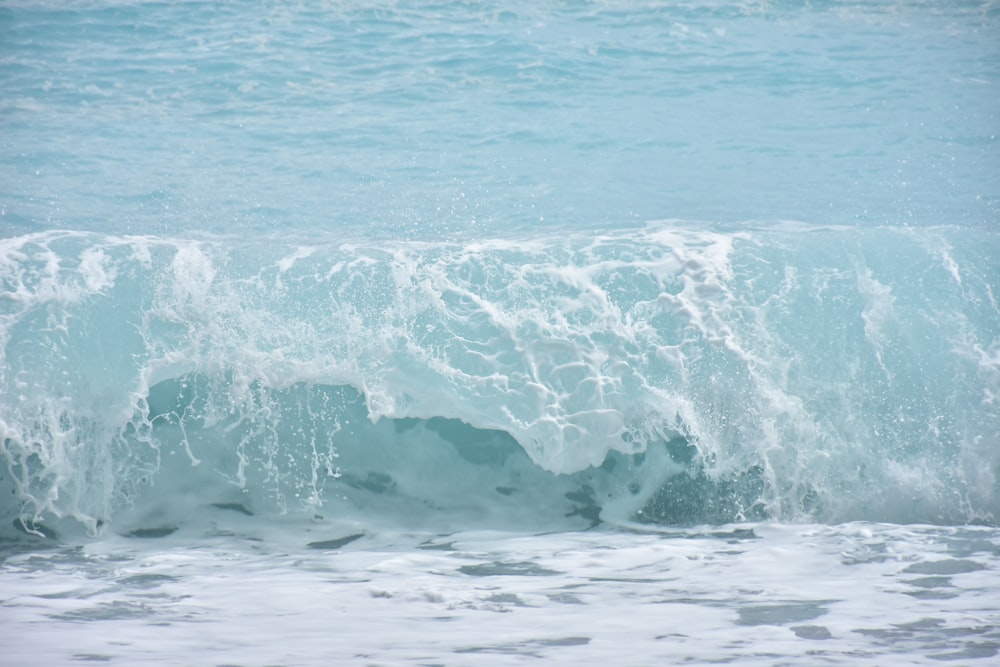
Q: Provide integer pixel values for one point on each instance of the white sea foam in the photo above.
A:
(574, 346)
(869, 594)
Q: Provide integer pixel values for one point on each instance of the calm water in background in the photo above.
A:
(473, 333)
(424, 118)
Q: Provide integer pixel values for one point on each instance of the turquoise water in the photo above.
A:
(382, 288)
(426, 119)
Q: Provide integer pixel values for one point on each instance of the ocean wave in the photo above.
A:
(674, 373)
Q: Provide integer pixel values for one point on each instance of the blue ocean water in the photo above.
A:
(510, 300)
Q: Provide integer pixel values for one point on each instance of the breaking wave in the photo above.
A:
(668, 374)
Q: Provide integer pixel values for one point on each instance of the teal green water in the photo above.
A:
(471, 333)
(678, 263)
(427, 118)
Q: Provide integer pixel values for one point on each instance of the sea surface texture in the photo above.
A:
(474, 333)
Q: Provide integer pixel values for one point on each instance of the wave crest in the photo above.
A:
(784, 372)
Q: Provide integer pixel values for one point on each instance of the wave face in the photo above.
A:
(666, 374)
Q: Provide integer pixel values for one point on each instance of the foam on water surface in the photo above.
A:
(870, 594)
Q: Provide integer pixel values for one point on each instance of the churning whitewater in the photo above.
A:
(670, 374)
